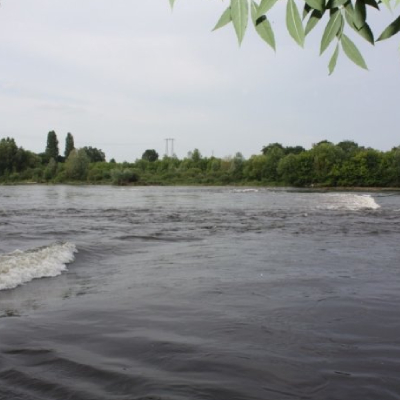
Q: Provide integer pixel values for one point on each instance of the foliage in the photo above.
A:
(324, 165)
(124, 176)
(150, 155)
(52, 146)
(14, 159)
(50, 170)
(77, 165)
(349, 147)
(69, 145)
(94, 155)
(341, 16)
(8, 152)
(100, 172)
(195, 156)
(236, 168)
(326, 157)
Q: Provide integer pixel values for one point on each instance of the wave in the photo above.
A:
(349, 201)
(249, 190)
(20, 267)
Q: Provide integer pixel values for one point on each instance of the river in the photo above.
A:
(181, 293)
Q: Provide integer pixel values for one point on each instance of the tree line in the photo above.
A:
(345, 164)
(20, 165)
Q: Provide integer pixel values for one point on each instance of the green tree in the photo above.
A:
(327, 160)
(392, 170)
(8, 152)
(124, 176)
(341, 17)
(196, 157)
(273, 154)
(237, 165)
(288, 169)
(294, 149)
(253, 169)
(25, 159)
(305, 169)
(363, 169)
(14, 159)
(213, 164)
(349, 147)
(51, 170)
(94, 155)
(77, 165)
(100, 172)
(150, 155)
(371, 161)
(69, 145)
(52, 146)
(271, 146)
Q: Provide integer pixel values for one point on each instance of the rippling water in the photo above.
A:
(198, 293)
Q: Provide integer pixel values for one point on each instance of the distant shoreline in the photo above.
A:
(354, 188)
(306, 188)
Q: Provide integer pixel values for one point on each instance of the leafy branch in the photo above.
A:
(340, 15)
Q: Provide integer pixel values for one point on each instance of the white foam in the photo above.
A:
(349, 201)
(245, 190)
(20, 267)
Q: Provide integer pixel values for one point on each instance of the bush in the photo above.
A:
(77, 165)
(124, 176)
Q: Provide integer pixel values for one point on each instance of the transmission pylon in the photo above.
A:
(169, 147)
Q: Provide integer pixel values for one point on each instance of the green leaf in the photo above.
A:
(240, 16)
(372, 3)
(224, 20)
(265, 6)
(352, 52)
(332, 28)
(366, 33)
(254, 12)
(360, 14)
(293, 23)
(336, 3)
(349, 13)
(313, 21)
(307, 9)
(332, 62)
(391, 30)
(262, 25)
(171, 2)
(341, 29)
(316, 4)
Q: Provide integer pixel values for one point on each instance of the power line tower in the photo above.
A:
(169, 147)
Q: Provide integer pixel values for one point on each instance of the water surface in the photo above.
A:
(198, 293)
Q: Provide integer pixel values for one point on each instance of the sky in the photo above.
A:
(123, 76)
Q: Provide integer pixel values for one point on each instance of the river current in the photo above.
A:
(175, 293)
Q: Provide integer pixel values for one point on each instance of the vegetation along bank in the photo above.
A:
(345, 164)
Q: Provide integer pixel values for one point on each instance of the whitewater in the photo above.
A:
(20, 267)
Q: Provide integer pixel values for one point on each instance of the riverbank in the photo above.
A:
(249, 185)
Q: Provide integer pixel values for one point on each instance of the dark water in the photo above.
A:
(201, 293)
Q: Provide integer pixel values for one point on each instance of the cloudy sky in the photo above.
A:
(124, 75)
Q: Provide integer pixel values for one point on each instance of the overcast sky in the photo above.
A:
(124, 75)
